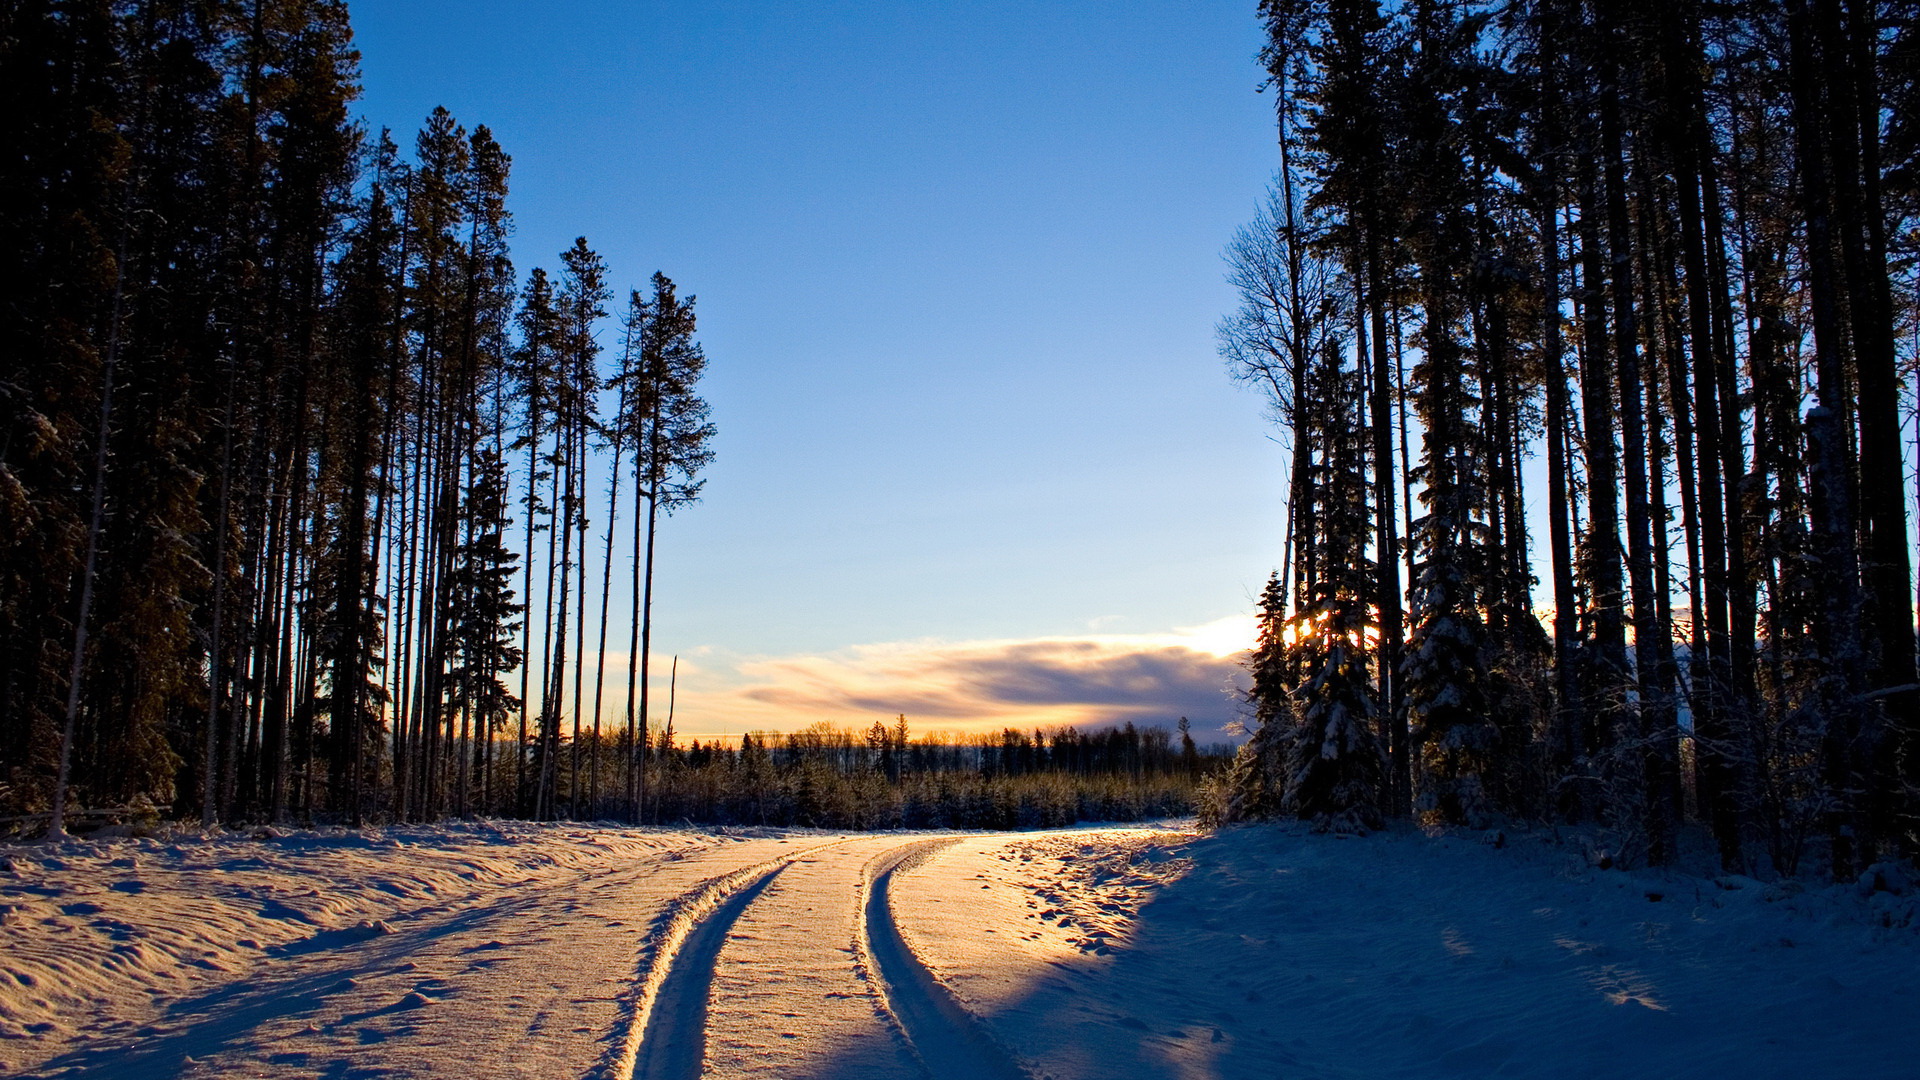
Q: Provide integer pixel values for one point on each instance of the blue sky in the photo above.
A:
(958, 268)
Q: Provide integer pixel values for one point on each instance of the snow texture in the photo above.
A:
(595, 951)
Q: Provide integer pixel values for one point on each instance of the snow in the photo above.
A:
(510, 949)
(1263, 951)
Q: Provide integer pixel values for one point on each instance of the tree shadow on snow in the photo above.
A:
(1280, 954)
(231, 1016)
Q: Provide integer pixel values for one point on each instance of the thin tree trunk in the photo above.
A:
(606, 582)
(1837, 624)
(526, 621)
(1386, 536)
(1606, 597)
(1298, 315)
(580, 625)
(208, 804)
(1657, 725)
(96, 521)
(636, 734)
(646, 601)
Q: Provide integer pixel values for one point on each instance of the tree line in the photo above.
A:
(1658, 258)
(288, 448)
(829, 776)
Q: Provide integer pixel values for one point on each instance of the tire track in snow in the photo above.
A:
(662, 1035)
(675, 1043)
(949, 1041)
(305, 978)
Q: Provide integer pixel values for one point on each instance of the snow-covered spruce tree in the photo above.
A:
(1445, 678)
(1444, 672)
(1335, 764)
(1253, 783)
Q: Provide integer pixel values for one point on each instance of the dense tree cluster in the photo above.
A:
(1657, 257)
(834, 777)
(272, 398)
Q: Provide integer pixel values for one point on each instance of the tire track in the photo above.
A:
(676, 1042)
(949, 1041)
(662, 1035)
(307, 977)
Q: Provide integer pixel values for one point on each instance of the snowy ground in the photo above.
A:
(587, 951)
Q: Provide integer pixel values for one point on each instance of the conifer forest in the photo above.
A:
(1590, 329)
(294, 459)
(295, 476)
(1641, 276)
(417, 659)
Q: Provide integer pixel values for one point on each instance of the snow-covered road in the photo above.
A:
(475, 952)
(675, 955)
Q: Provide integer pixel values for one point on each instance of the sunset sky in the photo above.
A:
(958, 268)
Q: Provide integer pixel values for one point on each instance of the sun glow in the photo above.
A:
(1303, 627)
(1308, 627)
(966, 685)
(1221, 637)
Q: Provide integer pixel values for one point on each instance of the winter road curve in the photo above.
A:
(948, 1040)
(498, 950)
(795, 968)
(667, 956)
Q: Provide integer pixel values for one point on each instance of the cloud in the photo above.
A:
(1085, 680)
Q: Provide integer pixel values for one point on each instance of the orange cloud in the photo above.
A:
(1090, 680)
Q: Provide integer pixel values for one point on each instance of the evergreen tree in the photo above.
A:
(1649, 176)
(667, 426)
(1334, 761)
(583, 294)
(1255, 785)
(484, 633)
(534, 379)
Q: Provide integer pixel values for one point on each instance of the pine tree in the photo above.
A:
(583, 294)
(1334, 762)
(534, 378)
(1256, 782)
(486, 625)
(668, 428)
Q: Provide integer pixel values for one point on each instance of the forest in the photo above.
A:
(1591, 330)
(827, 776)
(295, 477)
(1656, 259)
(1576, 725)
(274, 404)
